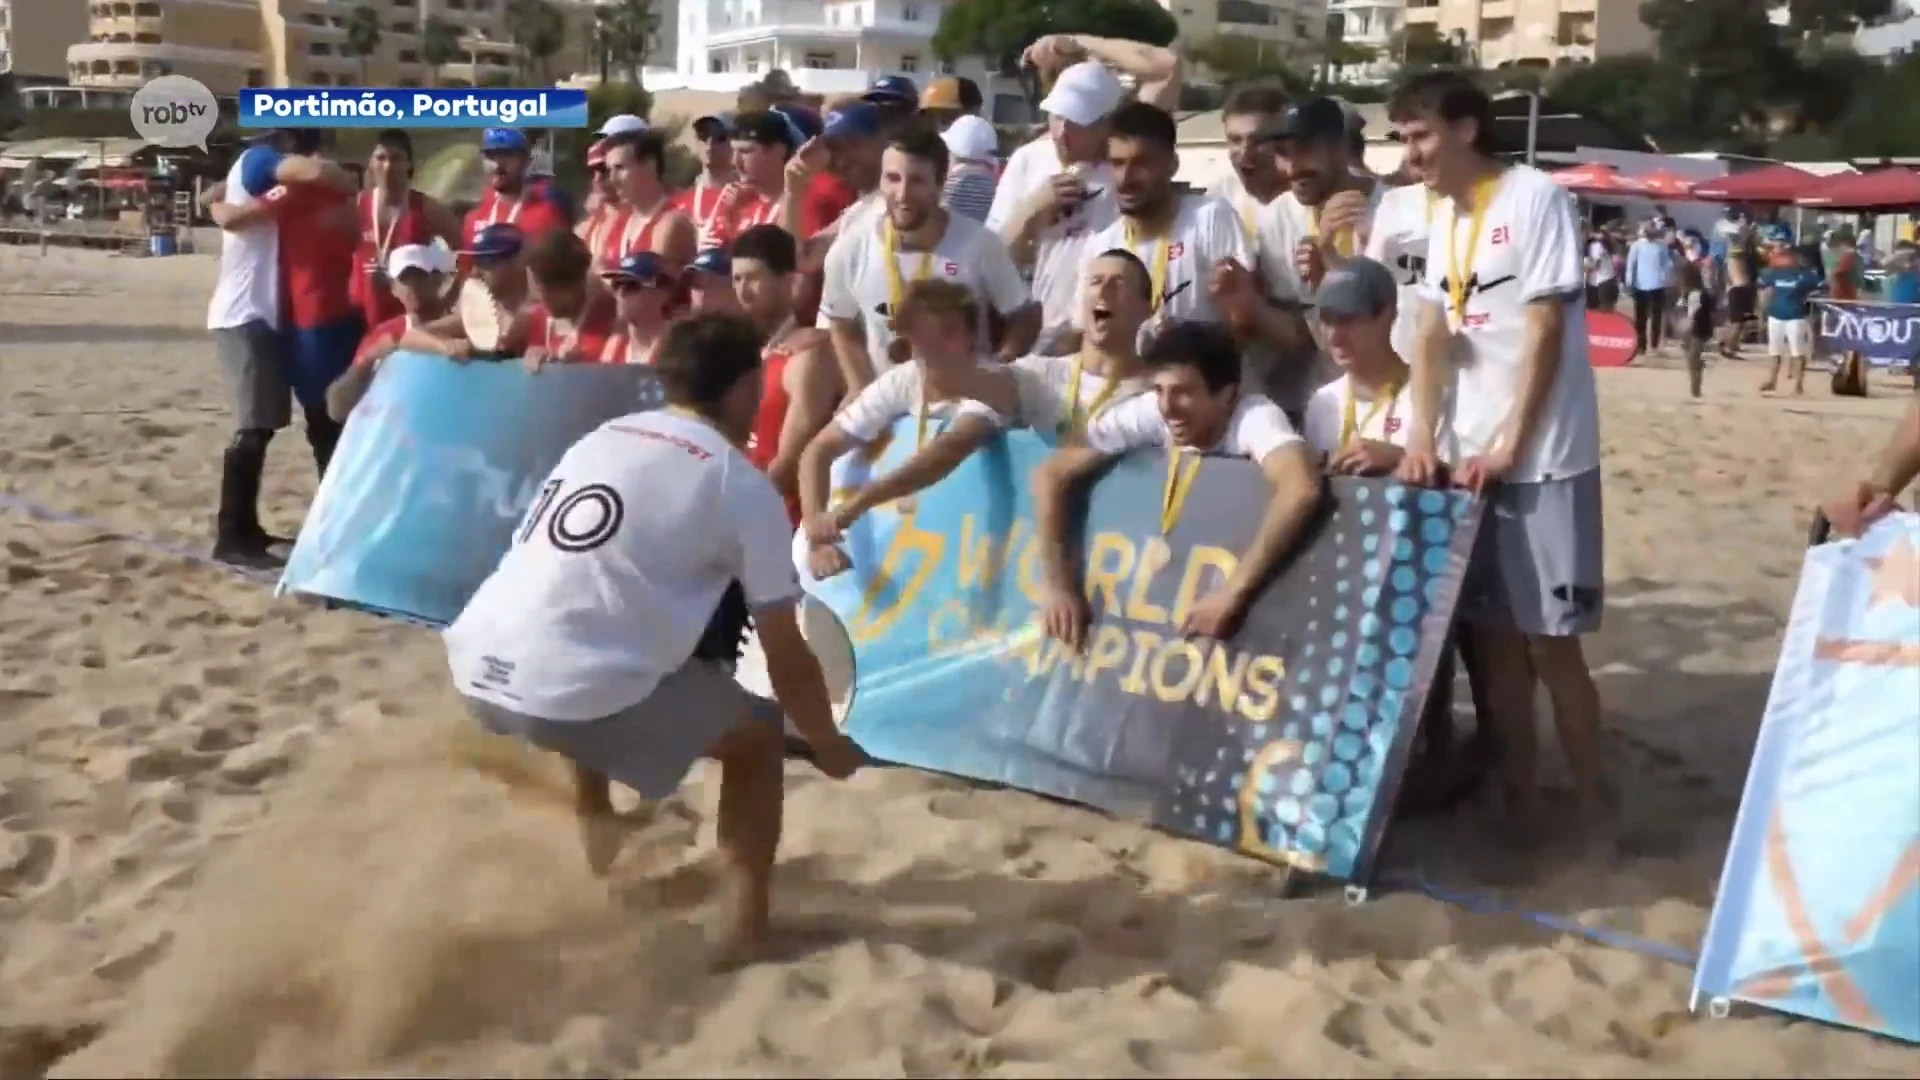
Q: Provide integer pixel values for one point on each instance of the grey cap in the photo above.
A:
(1356, 289)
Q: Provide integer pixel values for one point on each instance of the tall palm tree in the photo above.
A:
(539, 30)
(626, 30)
(439, 44)
(363, 37)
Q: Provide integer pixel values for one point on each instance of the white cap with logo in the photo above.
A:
(622, 124)
(1084, 94)
(431, 258)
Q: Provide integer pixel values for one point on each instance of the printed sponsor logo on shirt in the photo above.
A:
(695, 449)
(1393, 425)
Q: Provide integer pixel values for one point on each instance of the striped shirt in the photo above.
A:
(969, 190)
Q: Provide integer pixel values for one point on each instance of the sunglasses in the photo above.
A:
(625, 285)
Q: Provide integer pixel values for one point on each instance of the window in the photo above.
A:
(753, 65)
(716, 66)
(409, 56)
(909, 64)
(820, 61)
(1248, 13)
(910, 12)
(319, 48)
(405, 28)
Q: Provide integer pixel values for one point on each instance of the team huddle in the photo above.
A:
(814, 289)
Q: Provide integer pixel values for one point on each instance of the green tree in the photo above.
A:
(1001, 30)
(1236, 59)
(623, 32)
(363, 37)
(1423, 46)
(439, 45)
(538, 29)
(1636, 91)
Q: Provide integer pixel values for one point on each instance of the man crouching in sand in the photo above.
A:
(584, 638)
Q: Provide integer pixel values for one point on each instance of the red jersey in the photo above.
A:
(746, 209)
(826, 198)
(316, 254)
(590, 339)
(700, 202)
(626, 232)
(537, 211)
(372, 293)
(622, 350)
(772, 417)
(384, 334)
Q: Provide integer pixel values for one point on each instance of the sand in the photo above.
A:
(241, 835)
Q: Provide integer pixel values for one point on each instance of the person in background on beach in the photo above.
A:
(1197, 408)
(643, 291)
(1903, 277)
(701, 201)
(1696, 306)
(494, 294)
(392, 215)
(1648, 260)
(1503, 336)
(800, 377)
(418, 274)
(1743, 269)
(974, 149)
(1603, 288)
(1871, 499)
(944, 386)
(245, 315)
(512, 197)
(709, 280)
(585, 639)
(1787, 289)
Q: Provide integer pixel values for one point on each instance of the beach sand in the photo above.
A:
(241, 835)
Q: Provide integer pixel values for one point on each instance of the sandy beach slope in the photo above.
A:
(241, 835)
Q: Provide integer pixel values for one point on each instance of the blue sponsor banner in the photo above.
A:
(436, 467)
(1886, 335)
(1286, 742)
(1818, 912)
(370, 107)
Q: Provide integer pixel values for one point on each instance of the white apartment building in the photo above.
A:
(831, 47)
(1371, 25)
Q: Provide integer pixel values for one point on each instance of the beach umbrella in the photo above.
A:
(1662, 184)
(1881, 189)
(1597, 180)
(1773, 184)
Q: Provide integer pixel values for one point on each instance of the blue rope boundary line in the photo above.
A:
(1393, 881)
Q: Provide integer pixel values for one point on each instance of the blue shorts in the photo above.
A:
(316, 355)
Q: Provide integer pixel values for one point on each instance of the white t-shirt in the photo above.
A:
(1530, 249)
(1283, 225)
(1045, 385)
(897, 393)
(1057, 253)
(248, 286)
(857, 283)
(618, 567)
(1375, 419)
(1398, 240)
(1232, 191)
(1599, 263)
(1205, 232)
(1257, 428)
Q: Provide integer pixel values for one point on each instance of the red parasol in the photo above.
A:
(1773, 184)
(1662, 184)
(1597, 180)
(1881, 189)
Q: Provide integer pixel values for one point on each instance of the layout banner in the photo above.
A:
(1886, 335)
(436, 467)
(1818, 912)
(1286, 742)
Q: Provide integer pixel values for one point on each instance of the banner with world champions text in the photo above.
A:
(435, 469)
(1285, 742)
(1818, 912)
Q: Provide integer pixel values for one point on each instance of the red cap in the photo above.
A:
(597, 154)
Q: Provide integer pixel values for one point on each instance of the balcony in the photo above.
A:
(915, 32)
(124, 24)
(1496, 9)
(1423, 16)
(113, 52)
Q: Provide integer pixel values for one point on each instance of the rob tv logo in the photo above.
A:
(175, 111)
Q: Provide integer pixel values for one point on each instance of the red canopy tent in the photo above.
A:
(1881, 189)
(1773, 184)
(1597, 180)
(1661, 184)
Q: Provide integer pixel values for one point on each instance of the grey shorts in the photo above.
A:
(1539, 565)
(250, 355)
(649, 746)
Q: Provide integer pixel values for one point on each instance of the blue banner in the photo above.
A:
(436, 467)
(1286, 742)
(372, 107)
(1818, 912)
(1886, 335)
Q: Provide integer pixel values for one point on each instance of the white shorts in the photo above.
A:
(1790, 337)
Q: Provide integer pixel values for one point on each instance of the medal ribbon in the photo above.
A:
(1387, 398)
(1157, 279)
(1075, 422)
(1181, 472)
(1457, 271)
(897, 285)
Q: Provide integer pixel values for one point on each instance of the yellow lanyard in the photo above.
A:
(1385, 399)
(896, 285)
(1458, 273)
(1179, 484)
(1246, 221)
(1157, 280)
(1075, 422)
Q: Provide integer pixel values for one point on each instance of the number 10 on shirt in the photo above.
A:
(574, 521)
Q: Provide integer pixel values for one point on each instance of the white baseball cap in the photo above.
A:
(622, 124)
(1084, 94)
(432, 258)
(973, 138)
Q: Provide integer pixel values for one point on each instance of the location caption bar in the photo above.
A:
(364, 107)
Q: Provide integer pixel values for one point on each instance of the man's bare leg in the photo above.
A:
(1773, 377)
(1799, 375)
(1576, 716)
(752, 792)
(1502, 655)
(600, 833)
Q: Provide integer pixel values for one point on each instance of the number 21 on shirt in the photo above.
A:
(576, 521)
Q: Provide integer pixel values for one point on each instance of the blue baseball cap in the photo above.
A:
(712, 261)
(856, 120)
(500, 241)
(717, 126)
(646, 268)
(804, 121)
(503, 141)
(888, 89)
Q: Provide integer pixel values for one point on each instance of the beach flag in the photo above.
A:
(1818, 912)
